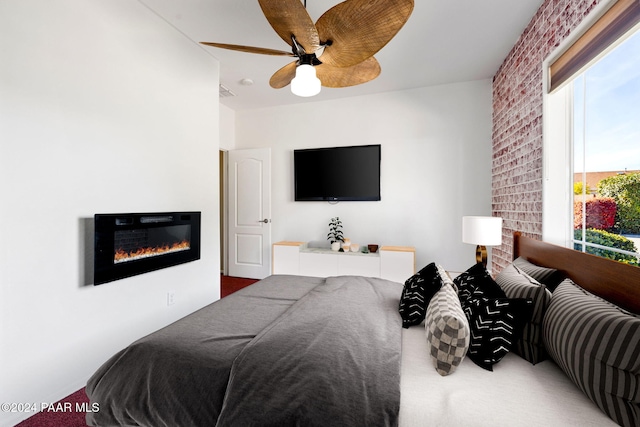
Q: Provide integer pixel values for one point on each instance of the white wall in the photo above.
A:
(103, 108)
(227, 128)
(436, 166)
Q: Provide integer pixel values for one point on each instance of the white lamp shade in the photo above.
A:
(482, 230)
(305, 83)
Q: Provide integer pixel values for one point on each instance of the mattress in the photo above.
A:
(516, 393)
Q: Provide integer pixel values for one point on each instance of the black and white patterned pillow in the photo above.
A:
(477, 277)
(517, 284)
(447, 328)
(418, 291)
(597, 345)
(495, 320)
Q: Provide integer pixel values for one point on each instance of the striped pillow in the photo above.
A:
(447, 328)
(597, 345)
(550, 277)
(517, 284)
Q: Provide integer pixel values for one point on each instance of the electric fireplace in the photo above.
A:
(130, 244)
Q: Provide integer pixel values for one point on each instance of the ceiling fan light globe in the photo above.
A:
(305, 83)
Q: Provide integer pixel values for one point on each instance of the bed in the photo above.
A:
(294, 350)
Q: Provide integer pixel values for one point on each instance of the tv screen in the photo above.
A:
(337, 174)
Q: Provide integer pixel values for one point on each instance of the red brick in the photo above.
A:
(517, 122)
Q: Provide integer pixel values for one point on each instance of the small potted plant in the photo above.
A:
(335, 233)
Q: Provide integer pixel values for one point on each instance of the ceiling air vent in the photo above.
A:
(225, 92)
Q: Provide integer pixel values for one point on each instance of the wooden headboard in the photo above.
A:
(614, 281)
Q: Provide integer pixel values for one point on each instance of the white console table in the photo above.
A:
(396, 263)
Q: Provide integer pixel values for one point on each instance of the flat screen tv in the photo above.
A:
(337, 173)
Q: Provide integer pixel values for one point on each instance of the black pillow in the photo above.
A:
(418, 291)
(478, 277)
(496, 322)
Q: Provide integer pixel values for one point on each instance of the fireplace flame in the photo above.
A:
(123, 256)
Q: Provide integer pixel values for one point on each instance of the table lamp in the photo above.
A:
(482, 231)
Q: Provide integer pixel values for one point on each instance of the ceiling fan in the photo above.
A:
(336, 51)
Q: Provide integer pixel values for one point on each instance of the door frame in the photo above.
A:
(224, 211)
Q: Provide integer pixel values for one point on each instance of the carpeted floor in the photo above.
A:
(229, 285)
(70, 411)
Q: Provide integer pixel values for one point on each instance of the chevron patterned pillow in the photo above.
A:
(495, 321)
(447, 328)
(418, 291)
(495, 326)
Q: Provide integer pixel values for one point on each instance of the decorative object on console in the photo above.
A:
(372, 248)
(335, 233)
(355, 247)
(482, 231)
(496, 321)
(418, 291)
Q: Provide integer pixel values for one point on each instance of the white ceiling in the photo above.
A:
(444, 41)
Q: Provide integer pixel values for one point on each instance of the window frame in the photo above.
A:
(557, 107)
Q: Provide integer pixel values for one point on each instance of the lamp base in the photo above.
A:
(481, 255)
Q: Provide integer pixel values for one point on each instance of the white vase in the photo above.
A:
(335, 246)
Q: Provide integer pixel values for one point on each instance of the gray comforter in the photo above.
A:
(287, 350)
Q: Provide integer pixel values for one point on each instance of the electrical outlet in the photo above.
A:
(171, 298)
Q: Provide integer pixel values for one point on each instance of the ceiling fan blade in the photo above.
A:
(290, 18)
(357, 29)
(249, 49)
(283, 76)
(363, 72)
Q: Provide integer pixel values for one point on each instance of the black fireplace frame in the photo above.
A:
(106, 226)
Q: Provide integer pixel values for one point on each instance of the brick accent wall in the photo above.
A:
(517, 123)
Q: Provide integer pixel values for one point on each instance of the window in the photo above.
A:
(591, 183)
(606, 154)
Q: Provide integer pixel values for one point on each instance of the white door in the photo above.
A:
(250, 213)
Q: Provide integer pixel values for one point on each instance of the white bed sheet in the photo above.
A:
(516, 393)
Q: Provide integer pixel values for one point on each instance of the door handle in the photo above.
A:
(266, 221)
